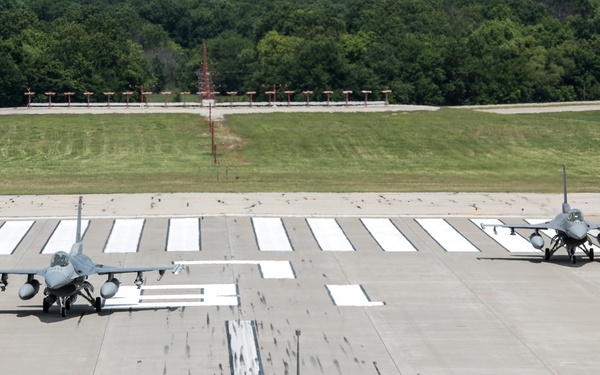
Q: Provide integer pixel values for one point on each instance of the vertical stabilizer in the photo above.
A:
(565, 206)
(78, 236)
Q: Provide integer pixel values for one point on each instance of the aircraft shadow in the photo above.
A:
(559, 260)
(79, 313)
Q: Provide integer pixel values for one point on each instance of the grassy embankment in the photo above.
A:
(448, 150)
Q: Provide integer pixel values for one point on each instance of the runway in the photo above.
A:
(376, 284)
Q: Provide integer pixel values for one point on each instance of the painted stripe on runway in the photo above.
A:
(271, 234)
(387, 235)
(446, 236)
(350, 295)
(125, 236)
(171, 296)
(63, 237)
(513, 243)
(329, 235)
(184, 234)
(269, 269)
(12, 233)
(244, 355)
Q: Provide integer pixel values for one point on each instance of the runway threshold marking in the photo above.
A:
(513, 243)
(329, 234)
(269, 269)
(387, 235)
(162, 296)
(350, 295)
(12, 233)
(446, 236)
(184, 234)
(244, 354)
(271, 234)
(125, 236)
(63, 236)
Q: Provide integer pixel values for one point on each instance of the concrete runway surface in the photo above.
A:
(376, 284)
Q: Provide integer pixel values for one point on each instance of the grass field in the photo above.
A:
(447, 150)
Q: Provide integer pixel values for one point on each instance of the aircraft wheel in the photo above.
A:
(45, 306)
(98, 304)
(63, 311)
(547, 254)
(68, 304)
(574, 259)
(591, 254)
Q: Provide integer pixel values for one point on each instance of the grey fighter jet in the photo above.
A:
(571, 230)
(66, 278)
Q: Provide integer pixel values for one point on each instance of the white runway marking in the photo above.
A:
(329, 235)
(513, 243)
(269, 269)
(11, 235)
(350, 295)
(63, 237)
(125, 236)
(387, 235)
(205, 295)
(244, 356)
(271, 234)
(445, 235)
(184, 235)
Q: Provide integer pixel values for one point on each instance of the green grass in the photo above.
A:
(448, 150)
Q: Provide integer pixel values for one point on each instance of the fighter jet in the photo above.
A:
(571, 230)
(66, 278)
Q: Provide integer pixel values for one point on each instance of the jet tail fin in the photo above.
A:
(565, 206)
(78, 236)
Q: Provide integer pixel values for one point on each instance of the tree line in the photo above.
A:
(438, 52)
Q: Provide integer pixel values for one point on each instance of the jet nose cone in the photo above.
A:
(578, 231)
(56, 279)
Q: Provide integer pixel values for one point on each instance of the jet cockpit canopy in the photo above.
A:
(59, 259)
(575, 215)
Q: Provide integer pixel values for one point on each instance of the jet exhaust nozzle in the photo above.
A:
(110, 288)
(29, 289)
(536, 240)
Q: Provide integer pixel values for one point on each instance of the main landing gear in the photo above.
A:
(66, 303)
(571, 252)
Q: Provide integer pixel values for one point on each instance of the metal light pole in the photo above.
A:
(68, 94)
(387, 93)
(166, 94)
(289, 93)
(366, 92)
(298, 351)
(308, 93)
(108, 94)
(250, 93)
(269, 93)
(127, 95)
(50, 94)
(29, 94)
(231, 94)
(88, 94)
(328, 93)
(347, 92)
(185, 94)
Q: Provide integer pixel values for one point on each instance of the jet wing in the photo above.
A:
(105, 270)
(540, 226)
(39, 272)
